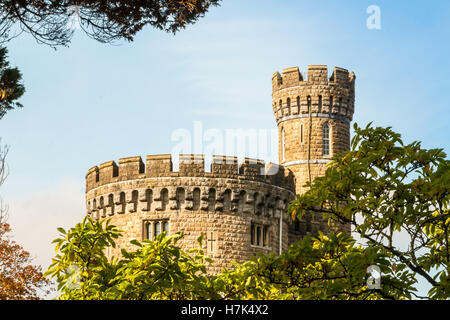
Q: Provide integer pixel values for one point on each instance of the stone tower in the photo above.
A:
(313, 117)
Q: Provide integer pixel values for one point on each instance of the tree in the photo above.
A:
(327, 267)
(321, 268)
(19, 279)
(155, 270)
(11, 88)
(389, 191)
(49, 21)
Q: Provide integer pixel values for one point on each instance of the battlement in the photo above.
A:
(190, 165)
(294, 96)
(317, 74)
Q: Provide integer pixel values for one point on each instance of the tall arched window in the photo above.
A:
(148, 199)
(102, 207)
(227, 201)
(122, 202)
(164, 198)
(309, 103)
(258, 204)
(242, 200)
(196, 199)
(267, 205)
(134, 200)
(320, 104)
(180, 198)
(111, 203)
(326, 139)
(276, 207)
(157, 228)
(298, 104)
(212, 200)
(149, 231)
(301, 133)
(282, 145)
(289, 105)
(94, 209)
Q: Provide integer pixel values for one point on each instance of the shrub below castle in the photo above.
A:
(159, 269)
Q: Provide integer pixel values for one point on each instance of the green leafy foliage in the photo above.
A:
(326, 267)
(161, 270)
(11, 88)
(389, 191)
(155, 270)
(80, 265)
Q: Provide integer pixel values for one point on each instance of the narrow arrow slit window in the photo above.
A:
(326, 139)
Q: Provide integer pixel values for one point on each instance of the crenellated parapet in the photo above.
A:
(190, 165)
(294, 96)
(132, 186)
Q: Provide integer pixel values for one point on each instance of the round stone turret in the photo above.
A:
(236, 207)
(313, 118)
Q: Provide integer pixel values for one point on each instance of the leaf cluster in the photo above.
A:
(11, 87)
(157, 269)
(396, 198)
(326, 267)
(322, 268)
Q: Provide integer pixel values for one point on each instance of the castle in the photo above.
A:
(239, 208)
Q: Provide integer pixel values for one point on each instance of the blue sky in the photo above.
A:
(92, 102)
